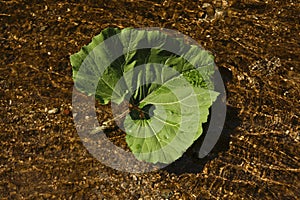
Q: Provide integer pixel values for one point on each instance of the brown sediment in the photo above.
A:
(256, 43)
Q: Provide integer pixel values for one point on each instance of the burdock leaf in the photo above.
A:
(177, 121)
(178, 100)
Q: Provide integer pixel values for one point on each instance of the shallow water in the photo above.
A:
(256, 46)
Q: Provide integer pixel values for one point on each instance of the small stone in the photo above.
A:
(218, 3)
(166, 193)
(206, 5)
(53, 111)
(201, 14)
(134, 177)
(208, 9)
(67, 112)
(43, 28)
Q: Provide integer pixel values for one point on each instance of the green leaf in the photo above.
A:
(179, 113)
(104, 78)
(176, 84)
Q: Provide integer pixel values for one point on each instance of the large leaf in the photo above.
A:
(98, 75)
(179, 113)
(134, 65)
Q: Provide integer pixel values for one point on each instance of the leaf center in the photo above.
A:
(145, 113)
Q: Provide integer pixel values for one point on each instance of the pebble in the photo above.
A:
(67, 112)
(43, 28)
(166, 193)
(209, 10)
(53, 111)
(134, 177)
